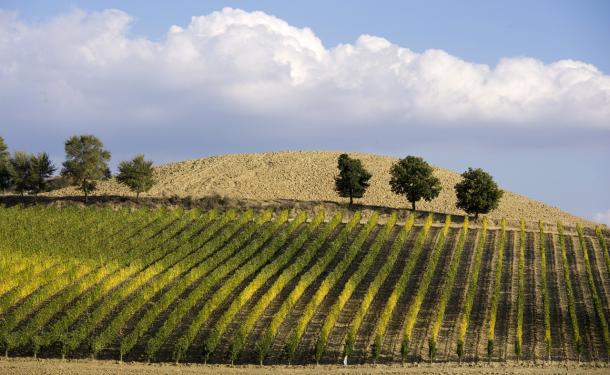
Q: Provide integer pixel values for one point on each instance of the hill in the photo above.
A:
(309, 176)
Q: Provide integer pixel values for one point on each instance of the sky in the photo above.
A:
(520, 89)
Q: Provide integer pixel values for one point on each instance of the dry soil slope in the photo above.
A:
(308, 176)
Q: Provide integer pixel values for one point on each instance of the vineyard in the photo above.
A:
(279, 287)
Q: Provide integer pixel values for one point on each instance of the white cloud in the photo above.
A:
(87, 68)
(602, 217)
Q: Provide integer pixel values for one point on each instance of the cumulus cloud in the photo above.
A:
(602, 217)
(87, 68)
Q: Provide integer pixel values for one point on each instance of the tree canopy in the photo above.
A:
(21, 172)
(353, 179)
(42, 169)
(86, 162)
(29, 173)
(477, 193)
(5, 167)
(414, 178)
(137, 174)
(4, 154)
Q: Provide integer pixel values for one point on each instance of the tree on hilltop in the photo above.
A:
(5, 167)
(414, 178)
(353, 179)
(21, 172)
(137, 174)
(477, 193)
(4, 154)
(30, 173)
(86, 162)
(41, 170)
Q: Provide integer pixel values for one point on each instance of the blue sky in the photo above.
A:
(541, 127)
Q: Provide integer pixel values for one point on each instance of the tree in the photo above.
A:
(413, 178)
(6, 173)
(4, 154)
(21, 172)
(86, 162)
(5, 167)
(353, 179)
(41, 170)
(137, 174)
(477, 193)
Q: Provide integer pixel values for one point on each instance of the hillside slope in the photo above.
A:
(204, 285)
(308, 176)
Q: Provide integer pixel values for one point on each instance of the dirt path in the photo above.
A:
(447, 337)
(418, 350)
(476, 334)
(558, 317)
(529, 309)
(581, 294)
(28, 366)
(600, 274)
(505, 320)
(539, 346)
(561, 299)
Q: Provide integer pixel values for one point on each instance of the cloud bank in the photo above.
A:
(87, 68)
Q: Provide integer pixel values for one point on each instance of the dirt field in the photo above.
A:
(58, 367)
(309, 176)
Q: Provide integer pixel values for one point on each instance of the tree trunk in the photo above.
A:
(476, 216)
(351, 200)
(413, 205)
(86, 197)
(137, 196)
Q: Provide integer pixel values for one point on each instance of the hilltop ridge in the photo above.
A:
(308, 176)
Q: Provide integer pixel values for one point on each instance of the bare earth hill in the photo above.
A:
(309, 176)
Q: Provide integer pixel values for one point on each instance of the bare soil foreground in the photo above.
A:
(308, 176)
(86, 367)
